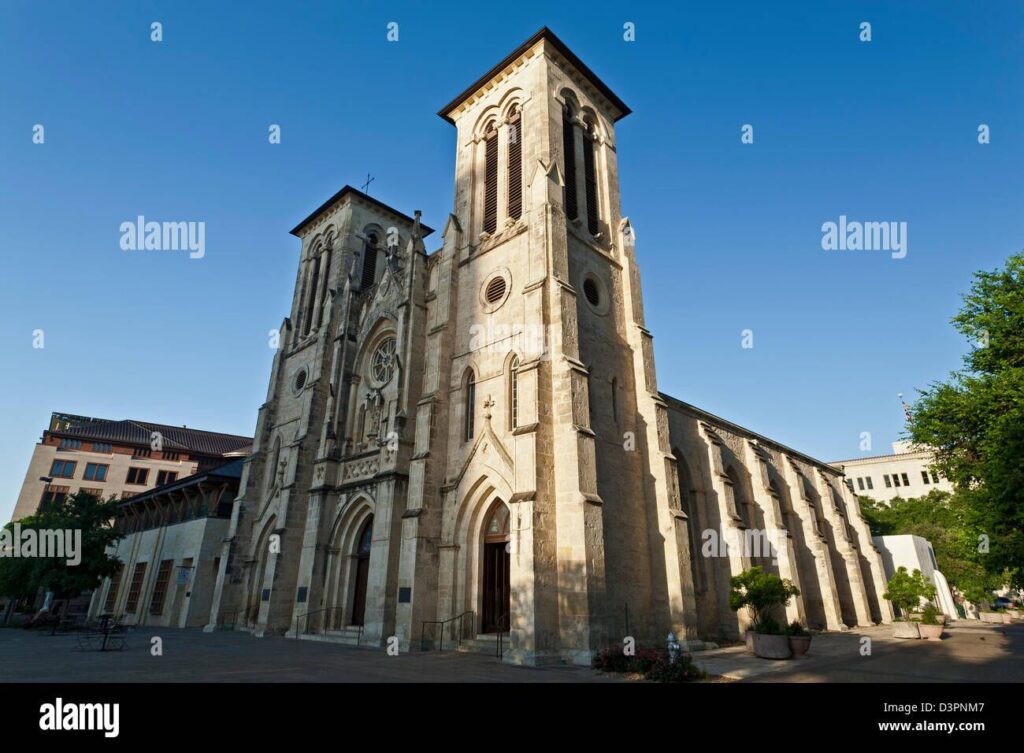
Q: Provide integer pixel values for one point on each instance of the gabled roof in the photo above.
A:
(548, 35)
(347, 189)
(175, 438)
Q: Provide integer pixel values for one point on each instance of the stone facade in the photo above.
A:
(473, 441)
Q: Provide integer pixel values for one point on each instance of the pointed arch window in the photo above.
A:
(325, 275)
(590, 179)
(314, 281)
(369, 262)
(470, 407)
(569, 157)
(515, 164)
(491, 180)
(513, 392)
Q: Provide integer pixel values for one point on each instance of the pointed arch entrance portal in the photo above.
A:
(496, 582)
(362, 554)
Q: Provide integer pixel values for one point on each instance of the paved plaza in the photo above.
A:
(969, 652)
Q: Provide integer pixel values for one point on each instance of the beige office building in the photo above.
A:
(117, 458)
(906, 473)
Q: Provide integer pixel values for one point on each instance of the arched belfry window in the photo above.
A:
(590, 178)
(369, 261)
(515, 164)
(569, 157)
(491, 180)
(470, 407)
(314, 281)
(513, 392)
(321, 291)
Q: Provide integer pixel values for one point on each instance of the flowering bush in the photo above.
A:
(652, 663)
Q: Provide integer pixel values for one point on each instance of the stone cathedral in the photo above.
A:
(470, 442)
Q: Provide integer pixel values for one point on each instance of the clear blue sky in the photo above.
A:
(728, 234)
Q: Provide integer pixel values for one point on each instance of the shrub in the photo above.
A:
(683, 670)
(760, 593)
(930, 615)
(614, 659)
(905, 590)
(796, 629)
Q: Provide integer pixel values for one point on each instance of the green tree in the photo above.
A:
(761, 593)
(80, 511)
(905, 590)
(944, 520)
(975, 419)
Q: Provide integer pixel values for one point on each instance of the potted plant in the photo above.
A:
(906, 590)
(761, 593)
(799, 639)
(931, 624)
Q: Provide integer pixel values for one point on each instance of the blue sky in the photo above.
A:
(728, 235)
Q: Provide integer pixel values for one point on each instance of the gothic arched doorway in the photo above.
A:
(495, 583)
(362, 555)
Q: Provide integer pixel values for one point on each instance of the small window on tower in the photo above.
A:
(591, 292)
(495, 290)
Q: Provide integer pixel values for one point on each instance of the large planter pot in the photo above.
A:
(771, 646)
(930, 632)
(799, 644)
(903, 629)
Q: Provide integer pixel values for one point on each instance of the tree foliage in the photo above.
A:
(760, 593)
(905, 590)
(975, 419)
(20, 576)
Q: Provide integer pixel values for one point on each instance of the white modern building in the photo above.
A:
(906, 473)
(916, 553)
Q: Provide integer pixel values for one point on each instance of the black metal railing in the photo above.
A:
(331, 622)
(502, 621)
(458, 620)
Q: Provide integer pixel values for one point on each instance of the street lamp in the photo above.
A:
(47, 480)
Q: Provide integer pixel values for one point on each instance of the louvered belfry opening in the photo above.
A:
(311, 296)
(369, 262)
(515, 165)
(569, 155)
(491, 181)
(495, 290)
(589, 147)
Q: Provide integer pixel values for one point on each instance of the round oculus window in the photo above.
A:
(591, 291)
(495, 290)
(382, 364)
(300, 379)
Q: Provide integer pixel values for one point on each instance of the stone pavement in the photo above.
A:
(193, 656)
(968, 652)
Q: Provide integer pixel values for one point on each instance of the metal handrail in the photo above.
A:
(323, 625)
(442, 623)
(501, 633)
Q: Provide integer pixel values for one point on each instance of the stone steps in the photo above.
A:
(486, 643)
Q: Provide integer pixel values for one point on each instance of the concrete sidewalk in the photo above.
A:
(969, 652)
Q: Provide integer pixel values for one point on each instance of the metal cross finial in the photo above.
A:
(488, 404)
(366, 185)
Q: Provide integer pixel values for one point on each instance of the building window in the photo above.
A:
(569, 157)
(166, 477)
(888, 484)
(590, 179)
(115, 584)
(102, 447)
(163, 576)
(95, 472)
(513, 390)
(935, 477)
(71, 444)
(314, 281)
(860, 484)
(142, 452)
(369, 262)
(868, 479)
(896, 479)
(906, 480)
(63, 469)
(382, 363)
(515, 165)
(135, 587)
(491, 181)
(924, 477)
(97, 493)
(470, 417)
(171, 455)
(55, 495)
(137, 476)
